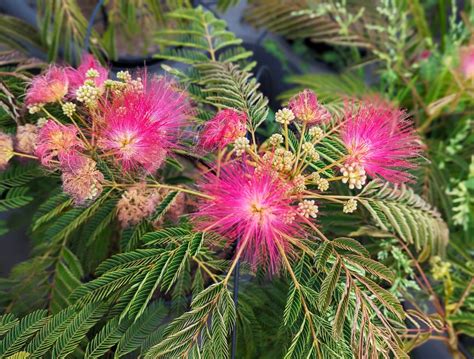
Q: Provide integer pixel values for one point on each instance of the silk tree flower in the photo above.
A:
(137, 203)
(83, 181)
(140, 127)
(380, 142)
(251, 207)
(52, 86)
(467, 61)
(89, 69)
(226, 126)
(6, 150)
(57, 142)
(26, 138)
(307, 109)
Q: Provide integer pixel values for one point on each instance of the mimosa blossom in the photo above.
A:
(140, 127)
(226, 126)
(26, 138)
(52, 86)
(6, 150)
(83, 72)
(380, 141)
(137, 203)
(83, 181)
(307, 109)
(252, 208)
(57, 142)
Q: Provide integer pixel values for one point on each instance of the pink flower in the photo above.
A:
(26, 138)
(83, 181)
(78, 76)
(467, 61)
(141, 127)
(306, 108)
(226, 126)
(6, 150)
(57, 142)
(137, 202)
(52, 86)
(380, 141)
(251, 207)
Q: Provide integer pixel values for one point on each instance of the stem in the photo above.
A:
(236, 300)
(50, 115)
(464, 296)
(335, 163)
(300, 144)
(205, 269)
(235, 262)
(212, 52)
(23, 155)
(436, 302)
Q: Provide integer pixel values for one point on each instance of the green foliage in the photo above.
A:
(227, 86)
(63, 28)
(204, 328)
(144, 328)
(405, 214)
(18, 35)
(200, 37)
(141, 272)
(219, 73)
(17, 336)
(14, 192)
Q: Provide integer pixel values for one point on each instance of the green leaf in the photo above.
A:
(17, 337)
(137, 332)
(328, 286)
(109, 335)
(77, 329)
(47, 336)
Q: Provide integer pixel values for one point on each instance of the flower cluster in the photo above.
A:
(117, 133)
(265, 196)
(132, 124)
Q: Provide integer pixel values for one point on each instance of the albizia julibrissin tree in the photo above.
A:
(165, 193)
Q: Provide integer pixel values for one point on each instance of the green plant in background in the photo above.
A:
(102, 281)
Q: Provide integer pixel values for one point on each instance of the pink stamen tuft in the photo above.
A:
(380, 141)
(226, 126)
(140, 127)
(51, 86)
(307, 109)
(253, 208)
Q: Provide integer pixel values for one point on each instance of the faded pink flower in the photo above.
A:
(83, 182)
(57, 142)
(6, 150)
(141, 127)
(380, 141)
(467, 61)
(226, 126)
(251, 207)
(78, 76)
(51, 86)
(26, 138)
(137, 203)
(307, 109)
